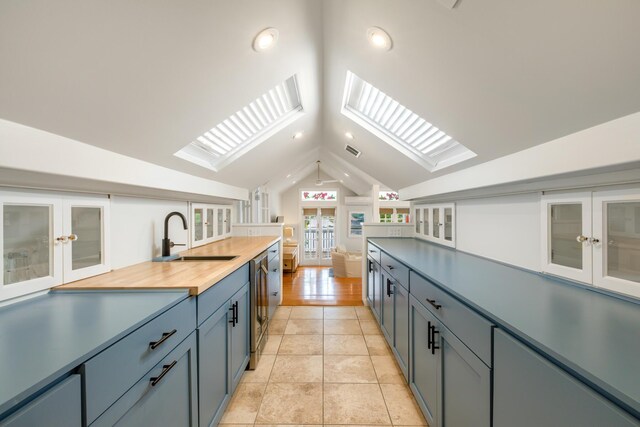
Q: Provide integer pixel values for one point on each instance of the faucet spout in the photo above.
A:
(166, 242)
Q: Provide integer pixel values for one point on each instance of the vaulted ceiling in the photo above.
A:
(144, 78)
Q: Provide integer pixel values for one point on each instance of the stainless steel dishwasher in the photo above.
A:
(259, 303)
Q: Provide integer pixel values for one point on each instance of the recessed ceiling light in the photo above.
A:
(379, 38)
(346, 174)
(265, 39)
(288, 176)
(349, 135)
(294, 182)
(341, 181)
(297, 135)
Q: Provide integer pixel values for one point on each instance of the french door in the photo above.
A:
(319, 235)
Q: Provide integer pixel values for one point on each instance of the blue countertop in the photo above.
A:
(47, 336)
(596, 336)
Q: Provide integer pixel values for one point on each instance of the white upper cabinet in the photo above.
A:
(48, 240)
(209, 223)
(436, 223)
(594, 238)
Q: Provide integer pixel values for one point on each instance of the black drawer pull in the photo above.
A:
(370, 267)
(389, 283)
(372, 251)
(165, 336)
(275, 294)
(433, 303)
(273, 251)
(165, 371)
(391, 267)
(429, 334)
(275, 270)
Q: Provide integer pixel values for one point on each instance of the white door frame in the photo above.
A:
(317, 205)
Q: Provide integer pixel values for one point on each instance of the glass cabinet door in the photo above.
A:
(448, 224)
(567, 235)
(198, 222)
(616, 240)
(220, 221)
(85, 242)
(425, 222)
(416, 216)
(31, 255)
(209, 223)
(435, 224)
(227, 221)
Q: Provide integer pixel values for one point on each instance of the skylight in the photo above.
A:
(400, 127)
(246, 128)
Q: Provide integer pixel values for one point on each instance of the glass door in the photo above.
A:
(86, 244)
(319, 235)
(616, 240)
(30, 244)
(567, 236)
(209, 224)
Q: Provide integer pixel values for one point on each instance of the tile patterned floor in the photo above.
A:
(324, 366)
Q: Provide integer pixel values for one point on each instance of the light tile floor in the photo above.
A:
(324, 366)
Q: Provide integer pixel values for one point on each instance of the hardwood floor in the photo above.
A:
(313, 286)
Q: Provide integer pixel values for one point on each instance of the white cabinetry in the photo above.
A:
(48, 240)
(209, 223)
(436, 223)
(593, 237)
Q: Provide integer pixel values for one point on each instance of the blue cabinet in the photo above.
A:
(214, 387)
(451, 384)
(386, 317)
(223, 344)
(424, 367)
(531, 391)
(58, 407)
(374, 292)
(401, 334)
(165, 397)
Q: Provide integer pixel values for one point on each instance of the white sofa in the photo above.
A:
(346, 264)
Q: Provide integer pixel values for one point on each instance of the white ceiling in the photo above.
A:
(144, 78)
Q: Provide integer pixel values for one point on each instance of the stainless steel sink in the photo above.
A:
(205, 258)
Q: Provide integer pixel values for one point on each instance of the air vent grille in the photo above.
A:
(400, 127)
(246, 128)
(352, 150)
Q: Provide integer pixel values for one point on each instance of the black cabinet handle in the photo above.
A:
(372, 251)
(429, 335)
(234, 314)
(165, 336)
(391, 267)
(273, 251)
(275, 270)
(275, 293)
(434, 347)
(433, 303)
(389, 293)
(370, 266)
(165, 371)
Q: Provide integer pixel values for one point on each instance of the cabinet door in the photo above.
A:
(401, 333)
(31, 242)
(466, 382)
(370, 282)
(165, 397)
(240, 336)
(59, 407)
(219, 222)
(227, 222)
(386, 319)
(198, 219)
(566, 234)
(616, 244)
(209, 223)
(377, 292)
(424, 364)
(417, 220)
(213, 361)
(529, 391)
(87, 246)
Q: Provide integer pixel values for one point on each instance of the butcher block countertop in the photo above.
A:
(196, 276)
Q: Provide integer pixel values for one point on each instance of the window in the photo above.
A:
(394, 214)
(400, 127)
(318, 196)
(386, 215)
(246, 128)
(355, 223)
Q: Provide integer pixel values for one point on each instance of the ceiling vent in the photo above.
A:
(246, 128)
(352, 150)
(400, 127)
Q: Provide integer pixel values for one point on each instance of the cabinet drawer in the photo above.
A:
(274, 250)
(373, 251)
(395, 268)
(287, 264)
(213, 298)
(274, 264)
(59, 407)
(471, 328)
(112, 372)
(172, 401)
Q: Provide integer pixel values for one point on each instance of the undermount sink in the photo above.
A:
(205, 258)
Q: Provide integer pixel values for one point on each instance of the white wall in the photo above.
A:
(505, 229)
(137, 228)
